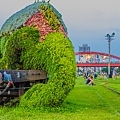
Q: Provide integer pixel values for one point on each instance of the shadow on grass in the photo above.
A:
(66, 107)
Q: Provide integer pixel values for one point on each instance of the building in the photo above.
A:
(84, 48)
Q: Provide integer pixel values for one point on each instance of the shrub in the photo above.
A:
(56, 56)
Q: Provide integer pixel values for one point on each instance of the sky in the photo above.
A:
(87, 21)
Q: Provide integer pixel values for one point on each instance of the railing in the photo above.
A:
(97, 64)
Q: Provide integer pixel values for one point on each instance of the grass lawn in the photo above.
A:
(84, 102)
(110, 83)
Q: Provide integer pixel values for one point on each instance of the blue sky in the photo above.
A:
(87, 21)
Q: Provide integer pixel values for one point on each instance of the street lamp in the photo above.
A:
(109, 38)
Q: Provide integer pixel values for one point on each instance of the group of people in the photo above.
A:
(106, 75)
(89, 79)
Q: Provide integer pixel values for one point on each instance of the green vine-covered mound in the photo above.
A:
(21, 49)
(56, 56)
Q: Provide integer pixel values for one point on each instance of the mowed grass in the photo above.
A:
(84, 102)
(113, 83)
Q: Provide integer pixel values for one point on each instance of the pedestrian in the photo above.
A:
(105, 75)
(95, 75)
(86, 76)
(114, 74)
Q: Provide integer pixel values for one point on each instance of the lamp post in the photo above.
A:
(109, 38)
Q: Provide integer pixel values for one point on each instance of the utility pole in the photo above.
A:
(109, 38)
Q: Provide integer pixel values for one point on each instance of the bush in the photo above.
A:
(56, 56)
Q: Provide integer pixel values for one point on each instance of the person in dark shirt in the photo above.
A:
(90, 80)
